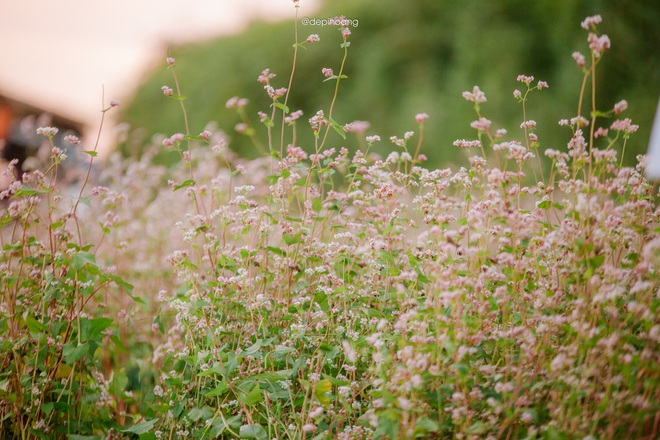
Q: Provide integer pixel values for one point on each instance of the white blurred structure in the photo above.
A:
(653, 169)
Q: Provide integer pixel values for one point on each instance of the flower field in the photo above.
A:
(328, 292)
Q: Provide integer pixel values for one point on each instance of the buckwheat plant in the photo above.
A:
(346, 295)
(57, 337)
(327, 292)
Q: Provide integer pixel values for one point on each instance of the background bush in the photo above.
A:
(413, 57)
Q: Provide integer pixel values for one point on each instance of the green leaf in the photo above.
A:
(544, 204)
(48, 407)
(597, 261)
(216, 369)
(91, 153)
(337, 128)
(81, 259)
(275, 250)
(72, 352)
(203, 413)
(190, 137)
(253, 431)
(7, 416)
(334, 381)
(270, 376)
(29, 192)
(251, 398)
(461, 368)
(142, 428)
(252, 350)
(291, 239)
(34, 326)
(220, 424)
(128, 288)
(426, 425)
(97, 325)
(478, 428)
(186, 183)
(388, 424)
(219, 390)
(317, 204)
(323, 387)
(281, 107)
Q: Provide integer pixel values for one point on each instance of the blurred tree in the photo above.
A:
(412, 57)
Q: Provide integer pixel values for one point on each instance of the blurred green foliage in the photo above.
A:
(412, 57)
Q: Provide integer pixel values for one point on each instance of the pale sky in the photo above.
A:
(60, 54)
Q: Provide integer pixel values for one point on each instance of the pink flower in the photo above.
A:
(241, 127)
(275, 93)
(72, 139)
(421, 117)
(114, 103)
(542, 85)
(357, 127)
(345, 32)
(482, 124)
(265, 76)
(318, 120)
(579, 59)
(177, 137)
(591, 21)
(236, 102)
(462, 143)
(597, 44)
(219, 146)
(396, 141)
(170, 61)
(624, 125)
(620, 106)
(167, 91)
(313, 38)
(293, 116)
(525, 79)
(580, 121)
(205, 134)
(517, 94)
(476, 95)
(528, 124)
(374, 138)
(327, 72)
(308, 428)
(231, 102)
(600, 132)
